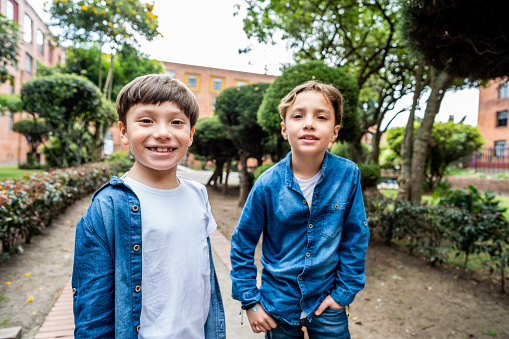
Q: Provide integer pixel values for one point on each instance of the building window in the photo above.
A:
(27, 29)
(503, 90)
(502, 119)
(240, 83)
(216, 84)
(40, 42)
(500, 148)
(10, 123)
(193, 81)
(213, 104)
(11, 10)
(171, 73)
(29, 61)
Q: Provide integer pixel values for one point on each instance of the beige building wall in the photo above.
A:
(36, 44)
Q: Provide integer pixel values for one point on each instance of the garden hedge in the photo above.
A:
(27, 205)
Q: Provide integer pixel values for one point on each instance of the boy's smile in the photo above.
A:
(309, 125)
(158, 136)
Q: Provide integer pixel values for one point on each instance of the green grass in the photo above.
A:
(13, 172)
(393, 194)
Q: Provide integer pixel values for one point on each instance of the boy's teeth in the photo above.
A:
(160, 149)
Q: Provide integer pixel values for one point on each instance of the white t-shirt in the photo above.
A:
(175, 283)
(308, 186)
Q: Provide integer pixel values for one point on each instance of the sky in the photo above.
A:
(207, 33)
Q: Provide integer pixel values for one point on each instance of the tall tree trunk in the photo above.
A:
(228, 170)
(404, 179)
(421, 146)
(375, 151)
(244, 179)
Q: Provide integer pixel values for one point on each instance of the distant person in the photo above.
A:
(143, 265)
(310, 210)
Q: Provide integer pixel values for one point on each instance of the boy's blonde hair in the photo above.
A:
(154, 89)
(330, 93)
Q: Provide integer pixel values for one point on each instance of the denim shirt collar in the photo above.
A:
(289, 176)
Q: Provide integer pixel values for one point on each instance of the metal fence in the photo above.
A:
(490, 160)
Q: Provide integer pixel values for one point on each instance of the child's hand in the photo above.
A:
(328, 302)
(260, 320)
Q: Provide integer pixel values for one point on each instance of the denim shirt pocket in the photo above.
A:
(332, 219)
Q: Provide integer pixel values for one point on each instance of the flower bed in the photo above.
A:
(27, 205)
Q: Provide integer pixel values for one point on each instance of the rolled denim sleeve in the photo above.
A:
(92, 282)
(353, 247)
(243, 244)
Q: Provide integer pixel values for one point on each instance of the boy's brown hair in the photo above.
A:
(154, 89)
(330, 93)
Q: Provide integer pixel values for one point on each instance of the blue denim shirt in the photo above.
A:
(307, 254)
(106, 278)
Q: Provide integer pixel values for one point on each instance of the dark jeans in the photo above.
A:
(331, 324)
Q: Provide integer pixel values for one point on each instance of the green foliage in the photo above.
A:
(11, 103)
(29, 204)
(441, 31)
(212, 141)
(115, 22)
(13, 172)
(121, 157)
(8, 48)
(71, 105)
(370, 175)
(35, 131)
(451, 142)
(268, 114)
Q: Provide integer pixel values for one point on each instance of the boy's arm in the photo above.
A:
(93, 284)
(243, 244)
(353, 247)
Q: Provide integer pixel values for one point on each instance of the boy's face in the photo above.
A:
(309, 124)
(158, 136)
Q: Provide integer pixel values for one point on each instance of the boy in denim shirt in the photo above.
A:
(143, 265)
(310, 210)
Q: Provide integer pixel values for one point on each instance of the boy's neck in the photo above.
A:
(305, 168)
(153, 178)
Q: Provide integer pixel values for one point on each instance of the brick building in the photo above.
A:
(36, 44)
(206, 83)
(492, 116)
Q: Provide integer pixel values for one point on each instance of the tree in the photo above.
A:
(114, 24)
(442, 33)
(451, 142)
(359, 36)
(268, 114)
(10, 103)
(236, 108)
(8, 47)
(212, 141)
(72, 108)
(35, 131)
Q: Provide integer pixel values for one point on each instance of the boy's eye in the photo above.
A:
(177, 122)
(297, 116)
(145, 121)
(322, 117)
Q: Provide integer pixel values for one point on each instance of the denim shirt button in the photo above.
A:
(304, 201)
(365, 223)
(310, 225)
(308, 254)
(300, 278)
(136, 248)
(137, 289)
(74, 292)
(336, 206)
(135, 208)
(138, 328)
(302, 301)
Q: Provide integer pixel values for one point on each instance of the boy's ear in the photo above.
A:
(191, 139)
(123, 133)
(335, 133)
(283, 130)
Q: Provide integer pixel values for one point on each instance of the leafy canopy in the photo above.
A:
(467, 38)
(8, 47)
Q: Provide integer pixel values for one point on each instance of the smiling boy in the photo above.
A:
(310, 210)
(143, 265)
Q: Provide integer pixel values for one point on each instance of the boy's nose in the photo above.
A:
(309, 123)
(162, 132)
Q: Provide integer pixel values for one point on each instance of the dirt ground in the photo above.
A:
(403, 298)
